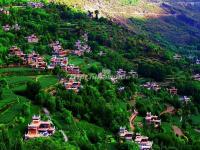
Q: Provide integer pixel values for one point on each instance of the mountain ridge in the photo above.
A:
(156, 17)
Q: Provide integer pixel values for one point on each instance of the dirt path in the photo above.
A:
(47, 113)
(64, 135)
(177, 131)
(170, 109)
(131, 120)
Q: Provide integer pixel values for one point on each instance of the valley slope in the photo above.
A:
(175, 25)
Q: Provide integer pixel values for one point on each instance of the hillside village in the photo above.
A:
(72, 81)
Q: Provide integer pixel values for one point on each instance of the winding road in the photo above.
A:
(64, 135)
(131, 120)
(47, 113)
(170, 109)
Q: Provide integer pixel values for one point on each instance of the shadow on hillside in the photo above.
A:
(170, 29)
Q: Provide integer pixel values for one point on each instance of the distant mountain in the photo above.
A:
(169, 22)
(182, 27)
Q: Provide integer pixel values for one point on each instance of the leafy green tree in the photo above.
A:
(3, 82)
(1, 92)
(67, 116)
(4, 138)
(95, 69)
(156, 71)
(26, 109)
(32, 89)
(44, 143)
(96, 14)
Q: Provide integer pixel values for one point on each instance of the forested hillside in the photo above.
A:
(174, 24)
(88, 77)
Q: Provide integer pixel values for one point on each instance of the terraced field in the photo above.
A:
(12, 106)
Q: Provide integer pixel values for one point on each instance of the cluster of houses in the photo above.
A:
(33, 59)
(39, 128)
(82, 46)
(152, 86)
(152, 120)
(122, 74)
(58, 49)
(36, 61)
(3, 11)
(35, 4)
(58, 56)
(71, 84)
(15, 51)
(15, 27)
(173, 91)
(142, 141)
(59, 59)
(63, 63)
